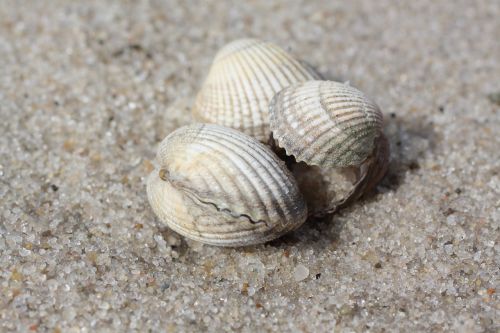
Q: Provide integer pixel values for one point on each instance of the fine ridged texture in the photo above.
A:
(221, 187)
(325, 123)
(335, 133)
(242, 80)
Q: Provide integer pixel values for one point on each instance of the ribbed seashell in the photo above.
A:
(244, 77)
(325, 123)
(328, 189)
(334, 132)
(221, 187)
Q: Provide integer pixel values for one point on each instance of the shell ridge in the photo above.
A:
(280, 63)
(282, 204)
(259, 80)
(236, 185)
(271, 70)
(263, 151)
(202, 132)
(210, 87)
(365, 147)
(345, 139)
(242, 110)
(279, 203)
(337, 123)
(259, 72)
(221, 187)
(225, 210)
(270, 192)
(233, 47)
(243, 78)
(273, 170)
(229, 97)
(164, 210)
(254, 107)
(292, 61)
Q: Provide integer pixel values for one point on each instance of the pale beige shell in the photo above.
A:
(335, 133)
(244, 77)
(221, 187)
(328, 189)
(325, 123)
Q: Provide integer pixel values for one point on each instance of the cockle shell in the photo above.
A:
(334, 132)
(221, 187)
(244, 77)
(325, 123)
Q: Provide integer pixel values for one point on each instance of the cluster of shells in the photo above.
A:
(274, 145)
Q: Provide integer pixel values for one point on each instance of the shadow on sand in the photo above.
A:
(410, 139)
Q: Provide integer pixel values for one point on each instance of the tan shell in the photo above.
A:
(325, 123)
(221, 187)
(335, 133)
(328, 189)
(242, 80)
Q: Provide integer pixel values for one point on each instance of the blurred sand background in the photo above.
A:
(89, 88)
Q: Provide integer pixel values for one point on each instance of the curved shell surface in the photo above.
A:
(221, 187)
(325, 123)
(343, 186)
(244, 77)
(372, 170)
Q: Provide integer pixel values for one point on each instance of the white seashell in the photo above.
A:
(242, 80)
(325, 123)
(221, 187)
(335, 133)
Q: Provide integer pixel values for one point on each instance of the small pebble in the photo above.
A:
(300, 273)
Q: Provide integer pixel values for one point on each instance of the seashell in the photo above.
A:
(244, 77)
(325, 123)
(371, 171)
(327, 190)
(335, 133)
(221, 187)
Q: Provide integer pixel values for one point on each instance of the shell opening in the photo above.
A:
(164, 174)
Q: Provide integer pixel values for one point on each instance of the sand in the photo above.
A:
(87, 91)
